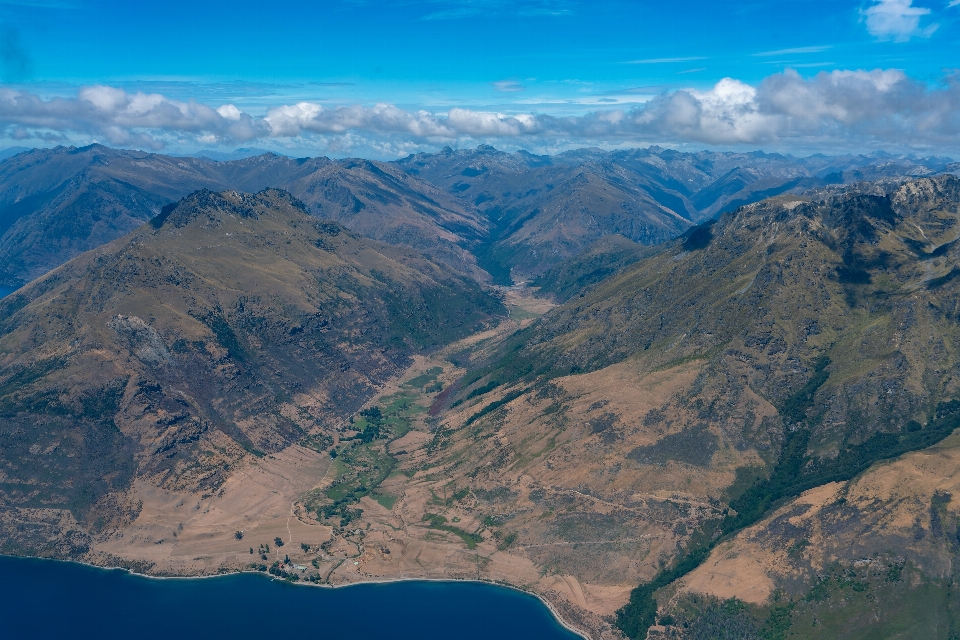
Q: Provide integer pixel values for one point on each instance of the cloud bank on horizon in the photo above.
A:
(837, 109)
(710, 90)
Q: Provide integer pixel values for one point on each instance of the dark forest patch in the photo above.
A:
(694, 446)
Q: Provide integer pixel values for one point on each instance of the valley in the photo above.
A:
(745, 423)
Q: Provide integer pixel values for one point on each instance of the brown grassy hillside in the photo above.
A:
(232, 325)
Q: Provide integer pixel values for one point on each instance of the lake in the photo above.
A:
(47, 599)
(5, 291)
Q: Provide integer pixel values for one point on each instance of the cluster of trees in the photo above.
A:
(374, 429)
(493, 406)
(275, 570)
(342, 509)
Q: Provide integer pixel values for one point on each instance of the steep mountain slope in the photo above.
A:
(472, 209)
(544, 209)
(264, 171)
(57, 203)
(787, 346)
(605, 257)
(372, 198)
(231, 326)
(875, 556)
(741, 186)
(387, 204)
(578, 208)
(692, 172)
(761, 408)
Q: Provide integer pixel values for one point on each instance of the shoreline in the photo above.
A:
(553, 612)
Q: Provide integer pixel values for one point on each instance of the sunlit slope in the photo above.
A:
(872, 557)
(232, 325)
(382, 202)
(789, 345)
(860, 285)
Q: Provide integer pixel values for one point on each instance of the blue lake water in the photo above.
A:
(50, 599)
(5, 291)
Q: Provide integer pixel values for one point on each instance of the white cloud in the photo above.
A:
(120, 117)
(665, 60)
(229, 111)
(507, 86)
(897, 20)
(834, 111)
(796, 50)
(485, 124)
(293, 120)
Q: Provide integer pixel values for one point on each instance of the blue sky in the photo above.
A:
(385, 78)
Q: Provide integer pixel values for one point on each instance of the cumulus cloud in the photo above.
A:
(293, 120)
(897, 20)
(839, 108)
(123, 118)
(833, 111)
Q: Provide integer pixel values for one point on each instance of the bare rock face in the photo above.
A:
(231, 327)
(142, 339)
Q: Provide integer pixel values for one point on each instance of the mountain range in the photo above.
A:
(483, 212)
(718, 398)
